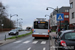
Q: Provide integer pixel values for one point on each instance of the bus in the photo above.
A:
(40, 29)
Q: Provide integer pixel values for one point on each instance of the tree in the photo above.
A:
(3, 18)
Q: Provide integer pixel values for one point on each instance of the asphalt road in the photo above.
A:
(2, 34)
(27, 43)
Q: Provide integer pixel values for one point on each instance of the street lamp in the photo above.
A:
(57, 12)
(20, 24)
(17, 21)
(46, 15)
(10, 19)
(48, 21)
(52, 8)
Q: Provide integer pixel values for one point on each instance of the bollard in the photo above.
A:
(16, 37)
(5, 37)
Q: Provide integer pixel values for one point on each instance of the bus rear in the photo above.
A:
(40, 29)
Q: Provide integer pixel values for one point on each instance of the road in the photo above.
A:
(27, 43)
(2, 34)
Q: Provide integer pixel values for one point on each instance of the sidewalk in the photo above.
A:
(52, 45)
(3, 42)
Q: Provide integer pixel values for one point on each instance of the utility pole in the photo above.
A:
(10, 19)
(49, 18)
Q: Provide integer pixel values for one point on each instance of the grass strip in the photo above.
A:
(18, 36)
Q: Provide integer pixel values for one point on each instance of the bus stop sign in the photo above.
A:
(60, 17)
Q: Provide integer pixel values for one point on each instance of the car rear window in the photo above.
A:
(70, 35)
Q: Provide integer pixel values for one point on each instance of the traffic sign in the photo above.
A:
(60, 17)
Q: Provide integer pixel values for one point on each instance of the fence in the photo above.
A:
(5, 29)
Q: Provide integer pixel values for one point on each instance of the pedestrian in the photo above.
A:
(59, 30)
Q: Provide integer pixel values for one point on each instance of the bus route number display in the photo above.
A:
(42, 22)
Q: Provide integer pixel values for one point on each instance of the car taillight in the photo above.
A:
(63, 43)
(48, 31)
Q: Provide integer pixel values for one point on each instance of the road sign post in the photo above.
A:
(60, 17)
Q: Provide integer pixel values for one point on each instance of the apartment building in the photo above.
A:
(53, 22)
(72, 13)
(65, 22)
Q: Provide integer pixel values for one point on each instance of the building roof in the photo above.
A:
(62, 9)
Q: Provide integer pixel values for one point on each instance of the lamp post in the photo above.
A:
(20, 24)
(48, 21)
(56, 11)
(18, 20)
(60, 21)
(10, 19)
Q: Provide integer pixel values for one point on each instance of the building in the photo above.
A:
(65, 22)
(72, 14)
(53, 21)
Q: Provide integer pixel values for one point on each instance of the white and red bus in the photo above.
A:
(40, 29)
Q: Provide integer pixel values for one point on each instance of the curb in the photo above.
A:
(3, 42)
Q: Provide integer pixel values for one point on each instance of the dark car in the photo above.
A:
(65, 40)
(14, 32)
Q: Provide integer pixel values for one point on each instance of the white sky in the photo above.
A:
(29, 10)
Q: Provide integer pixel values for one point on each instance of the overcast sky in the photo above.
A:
(29, 10)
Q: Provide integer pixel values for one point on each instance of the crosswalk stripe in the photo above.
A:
(26, 42)
(43, 42)
(29, 48)
(34, 42)
(17, 42)
(44, 48)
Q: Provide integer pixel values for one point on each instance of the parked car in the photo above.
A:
(13, 32)
(65, 40)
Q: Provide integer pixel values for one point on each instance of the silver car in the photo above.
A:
(13, 32)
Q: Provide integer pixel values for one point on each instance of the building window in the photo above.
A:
(71, 5)
(51, 16)
(72, 15)
(66, 16)
(66, 10)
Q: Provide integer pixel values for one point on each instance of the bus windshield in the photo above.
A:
(40, 25)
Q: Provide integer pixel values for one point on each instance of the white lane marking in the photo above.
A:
(34, 42)
(17, 42)
(26, 42)
(43, 42)
(44, 48)
(29, 48)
